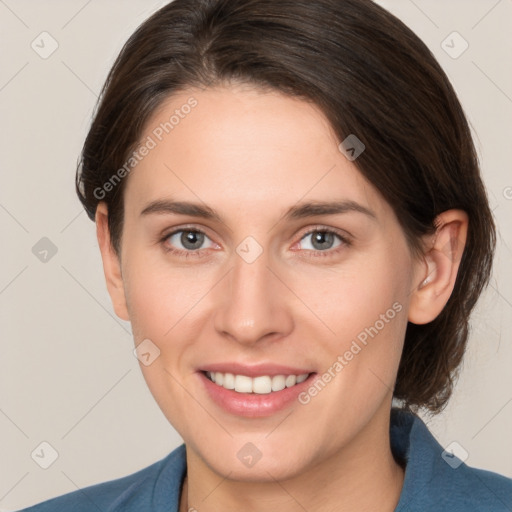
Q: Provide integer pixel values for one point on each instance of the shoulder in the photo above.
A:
(488, 490)
(155, 487)
(468, 489)
(436, 479)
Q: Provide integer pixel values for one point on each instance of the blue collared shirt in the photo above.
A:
(434, 481)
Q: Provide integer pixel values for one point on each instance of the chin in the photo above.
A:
(261, 461)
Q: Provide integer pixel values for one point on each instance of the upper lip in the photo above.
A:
(254, 370)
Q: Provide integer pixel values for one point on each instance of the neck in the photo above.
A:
(361, 476)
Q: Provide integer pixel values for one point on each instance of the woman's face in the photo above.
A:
(268, 288)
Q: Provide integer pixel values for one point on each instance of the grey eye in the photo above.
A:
(190, 240)
(321, 240)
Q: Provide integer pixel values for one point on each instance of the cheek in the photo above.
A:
(153, 294)
(365, 308)
(161, 303)
(355, 297)
(164, 301)
(149, 302)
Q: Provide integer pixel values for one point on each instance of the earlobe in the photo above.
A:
(439, 268)
(111, 263)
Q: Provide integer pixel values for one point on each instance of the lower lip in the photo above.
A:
(253, 405)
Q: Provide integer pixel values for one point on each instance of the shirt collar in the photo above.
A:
(411, 443)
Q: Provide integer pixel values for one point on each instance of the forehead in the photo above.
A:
(242, 143)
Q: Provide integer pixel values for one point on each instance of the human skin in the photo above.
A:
(251, 155)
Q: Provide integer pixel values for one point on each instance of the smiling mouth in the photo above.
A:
(260, 385)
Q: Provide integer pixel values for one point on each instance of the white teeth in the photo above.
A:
(261, 385)
(243, 384)
(229, 381)
(290, 381)
(278, 383)
(302, 378)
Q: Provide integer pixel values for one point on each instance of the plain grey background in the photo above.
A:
(68, 376)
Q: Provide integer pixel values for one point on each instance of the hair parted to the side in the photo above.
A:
(371, 76)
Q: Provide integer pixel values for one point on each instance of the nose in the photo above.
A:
(252, 304)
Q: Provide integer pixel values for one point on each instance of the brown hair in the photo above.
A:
(371, 76)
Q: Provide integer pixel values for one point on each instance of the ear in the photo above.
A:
(438, 270)
(111, 263)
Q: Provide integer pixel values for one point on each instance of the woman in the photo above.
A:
(290, 214)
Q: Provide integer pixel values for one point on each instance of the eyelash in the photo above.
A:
(345, 242)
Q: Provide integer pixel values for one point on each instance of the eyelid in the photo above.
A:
(344, 235)
(185, 227)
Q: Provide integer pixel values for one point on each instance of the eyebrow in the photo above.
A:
(300, 211)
